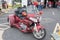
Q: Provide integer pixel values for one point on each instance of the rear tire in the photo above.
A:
(39, 36)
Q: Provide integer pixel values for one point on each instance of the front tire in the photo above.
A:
(40, 35)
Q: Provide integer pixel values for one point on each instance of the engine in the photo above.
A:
(23, 26)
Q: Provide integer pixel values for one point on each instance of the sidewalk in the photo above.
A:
(1, 33)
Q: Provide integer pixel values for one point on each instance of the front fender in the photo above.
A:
(38, 27)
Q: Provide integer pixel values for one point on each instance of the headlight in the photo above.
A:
(33, 19)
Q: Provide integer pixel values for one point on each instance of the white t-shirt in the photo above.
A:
(42, 0)
(24, 2)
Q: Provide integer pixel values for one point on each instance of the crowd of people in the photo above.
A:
(39, 5)
(54, 4)
(45, 3)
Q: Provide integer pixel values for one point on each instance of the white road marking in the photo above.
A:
(2, 18)
(1, 33)
(4, 27)
(53, 13)
(5, 23)
(2, 30)
(40, 18)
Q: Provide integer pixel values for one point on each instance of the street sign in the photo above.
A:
(56, 33)
(24, 2)
(57, 29)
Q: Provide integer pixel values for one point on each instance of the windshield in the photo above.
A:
(32, 9)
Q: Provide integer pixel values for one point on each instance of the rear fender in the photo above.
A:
(11, 19)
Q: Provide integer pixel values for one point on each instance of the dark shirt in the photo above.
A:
(39, 0)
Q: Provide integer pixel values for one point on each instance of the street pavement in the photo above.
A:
(49, 19)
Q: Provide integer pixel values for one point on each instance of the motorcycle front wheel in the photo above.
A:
(39, 35)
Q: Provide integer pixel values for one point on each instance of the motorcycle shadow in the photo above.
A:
(15, 34)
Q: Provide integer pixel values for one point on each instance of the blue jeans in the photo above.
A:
(40, 7)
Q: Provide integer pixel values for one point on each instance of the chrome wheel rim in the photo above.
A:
(39, 34)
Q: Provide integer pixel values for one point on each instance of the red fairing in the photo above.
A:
(27, 21)
(11, 19)
(31, 15)
(14, 20)
(17, 19)
(39, 27)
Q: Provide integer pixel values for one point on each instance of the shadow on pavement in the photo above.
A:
(15, 34)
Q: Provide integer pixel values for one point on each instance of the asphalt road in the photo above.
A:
(49, 20)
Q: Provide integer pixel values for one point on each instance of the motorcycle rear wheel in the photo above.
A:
(40, 35)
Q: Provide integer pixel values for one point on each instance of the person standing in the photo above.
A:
(29, 2)
(35, 3)
(58, 4)
(13, 3)
(4, 4)
(40, 4)
(54, 3)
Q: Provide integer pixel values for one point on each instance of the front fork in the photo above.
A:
(37, 27)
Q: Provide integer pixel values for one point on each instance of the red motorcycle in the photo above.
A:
(29, 22)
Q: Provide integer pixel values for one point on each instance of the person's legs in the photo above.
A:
(0, 9)
(40, 7)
